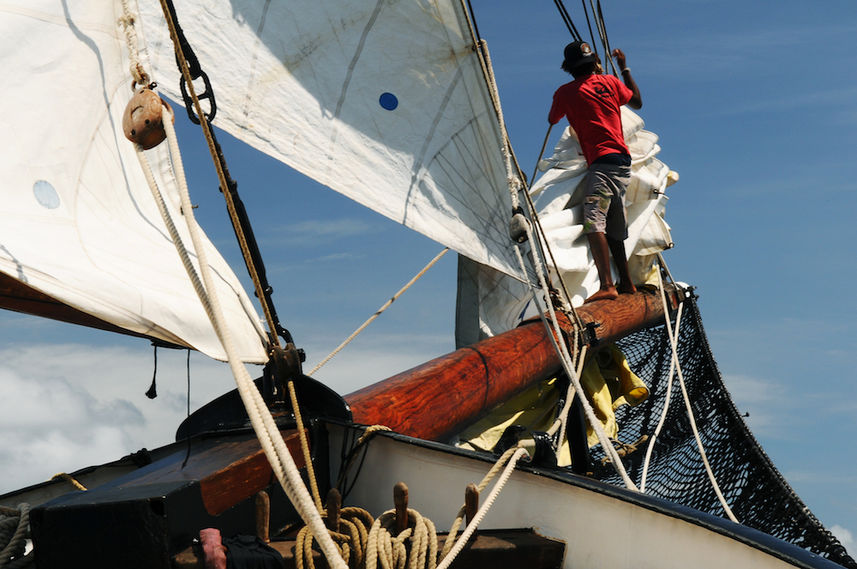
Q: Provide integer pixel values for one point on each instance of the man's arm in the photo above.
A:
(636, 100)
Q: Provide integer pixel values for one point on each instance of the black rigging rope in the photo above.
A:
(241, 221)
(566, 18)
(589, 25)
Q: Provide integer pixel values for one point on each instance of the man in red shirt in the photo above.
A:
(592, 104)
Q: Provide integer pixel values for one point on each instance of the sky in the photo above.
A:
(753, 104)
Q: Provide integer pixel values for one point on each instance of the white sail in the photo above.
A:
(383, 101)
(79, 223)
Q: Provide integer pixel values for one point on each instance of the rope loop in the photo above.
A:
(351, 536)
(14, 532)
(415, 547)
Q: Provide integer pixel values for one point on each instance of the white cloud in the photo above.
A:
(843, 535)
(320, 231)
(73, 405)
(762, 399)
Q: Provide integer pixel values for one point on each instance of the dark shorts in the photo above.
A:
(604, 201)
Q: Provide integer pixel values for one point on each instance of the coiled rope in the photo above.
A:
(14, 531)
(351, 534)
(391, 551)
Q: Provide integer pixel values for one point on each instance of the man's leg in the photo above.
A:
(617, 249)
(601, 254)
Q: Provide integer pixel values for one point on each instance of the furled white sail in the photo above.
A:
(490, 302)
(79, 223)
(383, 101)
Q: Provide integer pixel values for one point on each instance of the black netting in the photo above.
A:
(757, 493)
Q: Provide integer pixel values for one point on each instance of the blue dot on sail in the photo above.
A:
(46, 194)
(389, 101)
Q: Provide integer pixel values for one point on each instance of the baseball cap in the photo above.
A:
(577, 53)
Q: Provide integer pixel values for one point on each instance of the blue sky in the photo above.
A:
(753, 103)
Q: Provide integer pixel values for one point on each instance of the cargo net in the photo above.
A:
(756, 492)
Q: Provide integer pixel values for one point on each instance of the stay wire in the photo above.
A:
(566, 18)
(187, 367)
(237, 213)
(606, 40)
(589, 25)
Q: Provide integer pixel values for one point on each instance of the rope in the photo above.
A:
(378, 312)
(569, 367)
(351, 535)
(448, 557)
(221, 176)
(69, 478)
(14, 531)
(667, 399)
(263, 423)
(313, 483)
(126, 21)
(392, 551)
(689, 407)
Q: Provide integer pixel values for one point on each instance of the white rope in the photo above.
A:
(483, 510)
(263, 423)
(688, 406)
(378, 312)
(492, 472)
(562, 420)
(126, 21)
(667, 399)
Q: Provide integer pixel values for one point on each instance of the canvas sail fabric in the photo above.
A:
(383, 101)
(79, 222)
(490, 303)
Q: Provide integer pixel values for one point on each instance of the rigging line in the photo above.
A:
(266, 429)
(606, 39)
(589, 25)
(187, 366)
(243, 236)
(480, 46)
(544, 245)
(689, 407)
(667, 398)
(485, 59)
(569, 23)
(473, 19)
(462, 540)
(378, 312)
(568, 366)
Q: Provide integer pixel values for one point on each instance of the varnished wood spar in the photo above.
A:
(438, 398)
(18, 297)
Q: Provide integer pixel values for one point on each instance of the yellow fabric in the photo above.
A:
(534, 408)
(608, 382)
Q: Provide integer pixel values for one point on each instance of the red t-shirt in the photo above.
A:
(592, 104)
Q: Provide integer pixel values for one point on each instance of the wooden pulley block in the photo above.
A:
(141, 121)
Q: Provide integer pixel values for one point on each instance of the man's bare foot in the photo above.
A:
(626, 288)
(608, 293)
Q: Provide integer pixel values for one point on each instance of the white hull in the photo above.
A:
(602, 526)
